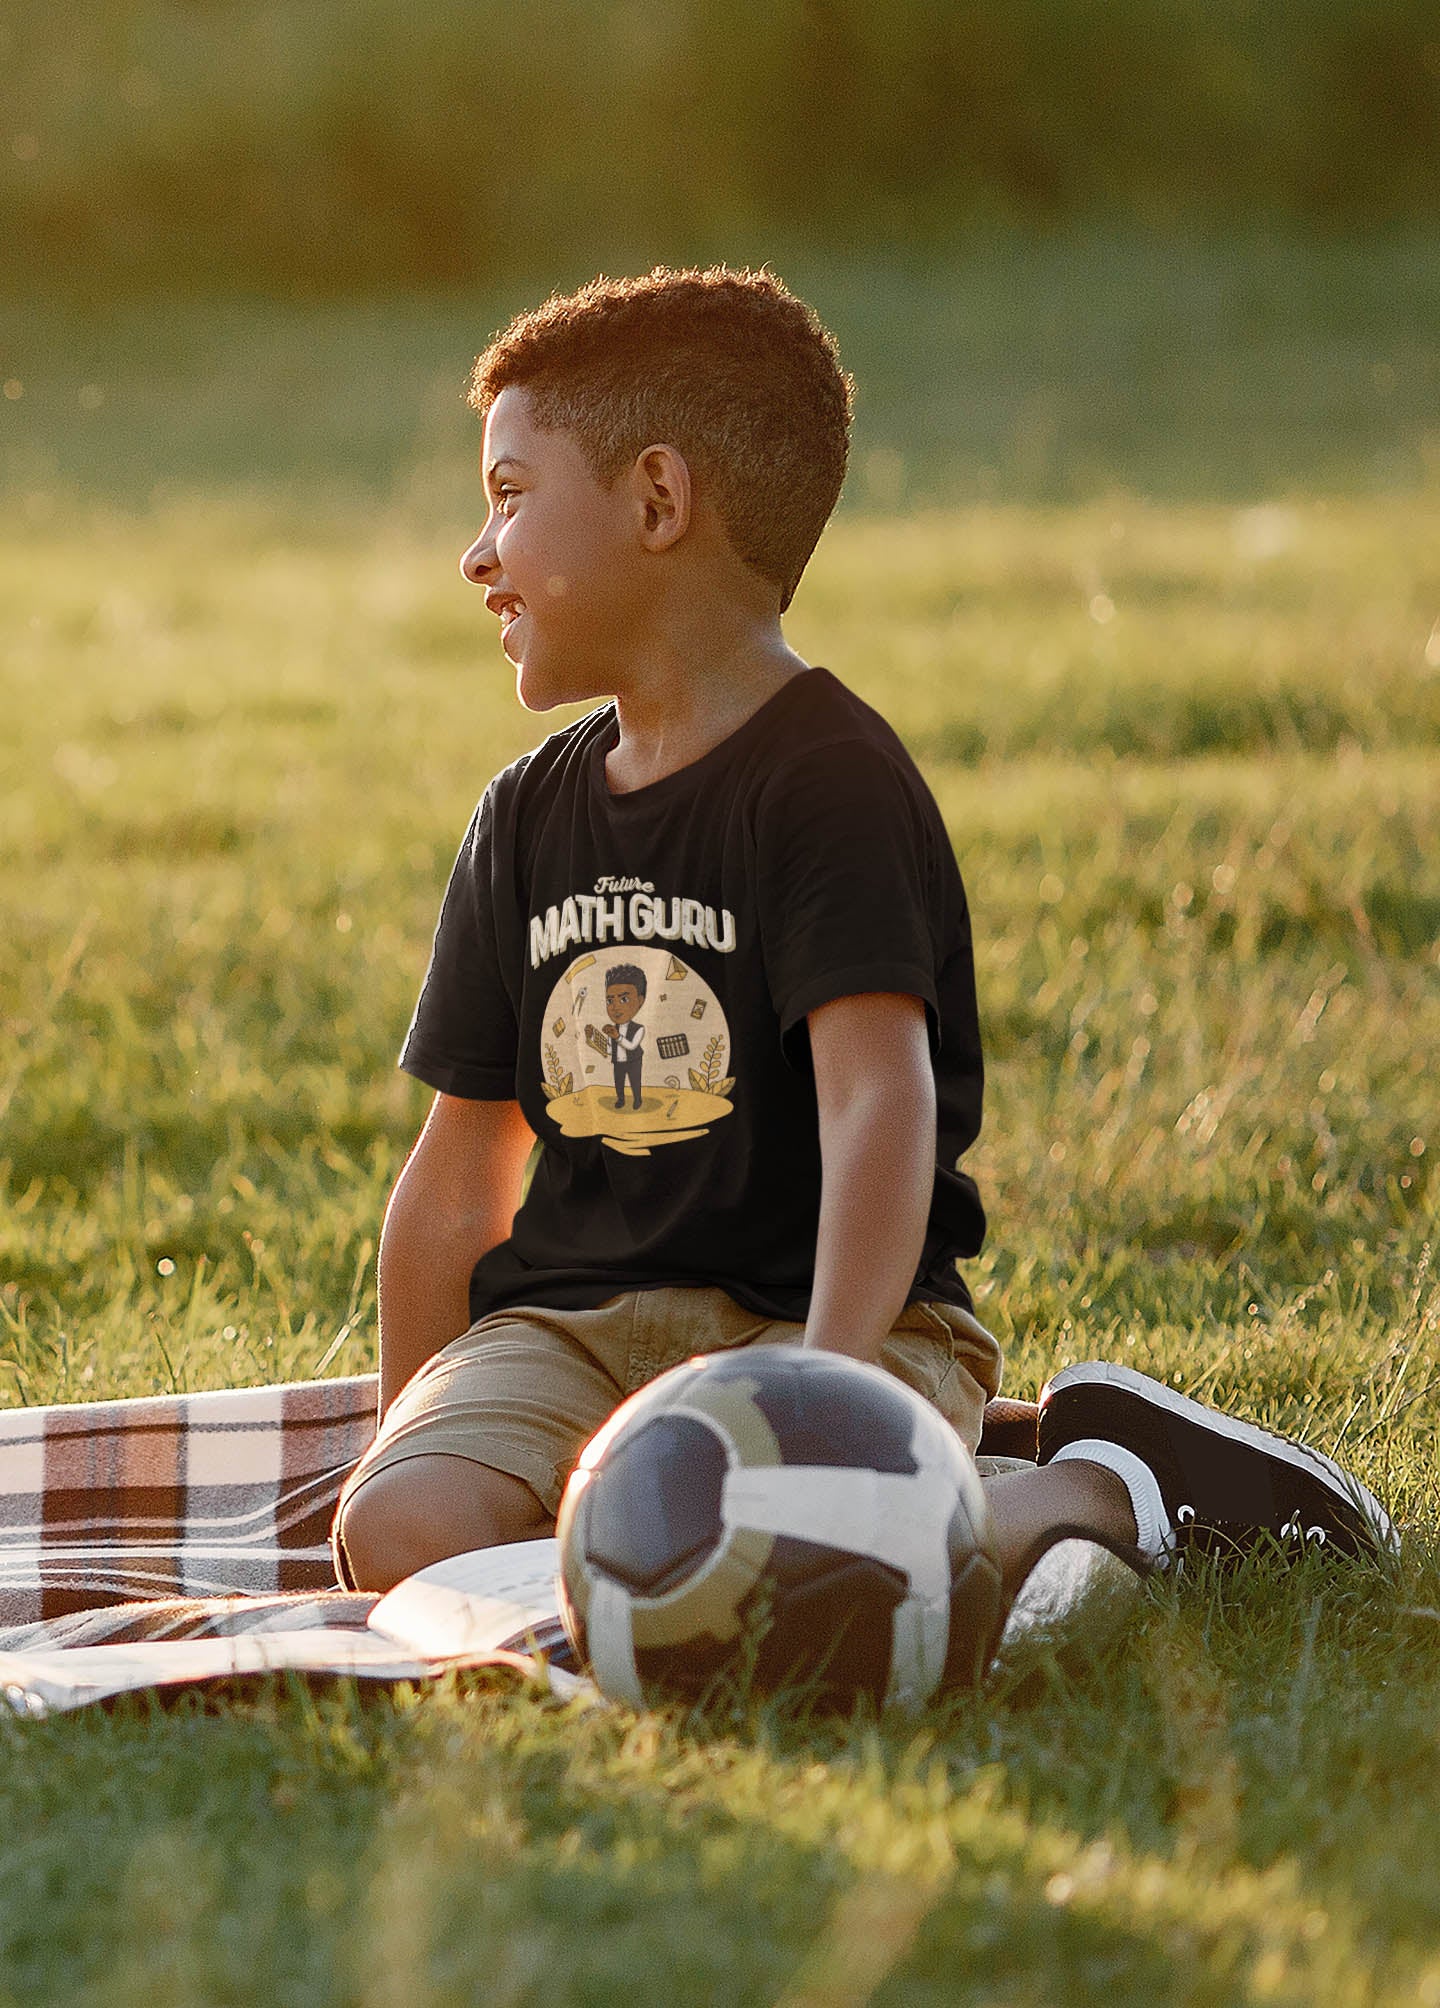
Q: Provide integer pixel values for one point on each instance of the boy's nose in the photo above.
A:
(479, 561)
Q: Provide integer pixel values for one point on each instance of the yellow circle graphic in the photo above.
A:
(635, 1050)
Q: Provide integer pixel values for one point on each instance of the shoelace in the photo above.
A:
(1291, 1531)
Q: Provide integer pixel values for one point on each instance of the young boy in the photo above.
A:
(736, 844)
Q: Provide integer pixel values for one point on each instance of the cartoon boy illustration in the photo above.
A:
(624, 994)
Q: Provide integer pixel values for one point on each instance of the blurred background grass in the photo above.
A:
(319, 144)
(1035, 368)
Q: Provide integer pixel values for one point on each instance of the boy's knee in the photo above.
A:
(406, 1516)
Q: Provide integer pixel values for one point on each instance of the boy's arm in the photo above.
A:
(875, 1086)
(454, 1200)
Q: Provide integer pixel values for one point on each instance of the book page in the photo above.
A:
(488, 1600)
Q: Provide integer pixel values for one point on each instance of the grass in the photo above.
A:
(1188, 752)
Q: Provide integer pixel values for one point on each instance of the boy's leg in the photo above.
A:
(474, 1451)
(1026, 1507)
(1128, 1458)
(427, 1508)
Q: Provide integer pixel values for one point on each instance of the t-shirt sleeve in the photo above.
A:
(845, 884)
(463, 1038)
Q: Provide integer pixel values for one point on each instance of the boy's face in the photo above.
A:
(622, 1001)
(557, 558)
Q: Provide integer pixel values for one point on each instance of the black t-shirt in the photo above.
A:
(663, 947)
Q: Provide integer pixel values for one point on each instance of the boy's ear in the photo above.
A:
(662, 485)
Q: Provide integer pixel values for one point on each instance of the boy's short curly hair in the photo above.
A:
(725, 365)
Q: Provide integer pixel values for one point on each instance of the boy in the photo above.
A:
(737, 840)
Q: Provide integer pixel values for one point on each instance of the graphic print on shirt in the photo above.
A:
(634, 1050)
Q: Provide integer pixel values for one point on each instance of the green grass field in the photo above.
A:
(1189, 753)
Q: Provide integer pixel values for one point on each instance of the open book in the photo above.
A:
(496, 1607)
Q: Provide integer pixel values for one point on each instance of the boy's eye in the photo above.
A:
(503, 497)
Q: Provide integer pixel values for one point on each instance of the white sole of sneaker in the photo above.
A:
(1102, 1373)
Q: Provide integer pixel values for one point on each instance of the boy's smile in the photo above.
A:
(554, 557)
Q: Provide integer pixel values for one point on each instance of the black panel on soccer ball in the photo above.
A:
(653, 1510)
(820, 1619)
(823, 1412)
(831, 1622)
(976, 1611)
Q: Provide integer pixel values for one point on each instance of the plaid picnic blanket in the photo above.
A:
(167, 1618)
(174, 1496)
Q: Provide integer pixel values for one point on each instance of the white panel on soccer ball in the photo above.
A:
(920, 1640)
(892, 1517)
(610, 1640)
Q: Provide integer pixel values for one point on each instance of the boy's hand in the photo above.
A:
(452, 1203)
(875, 1087)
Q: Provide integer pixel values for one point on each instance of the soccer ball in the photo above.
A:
(778, 1515)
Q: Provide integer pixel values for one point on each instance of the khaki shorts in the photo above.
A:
(525, 1389)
